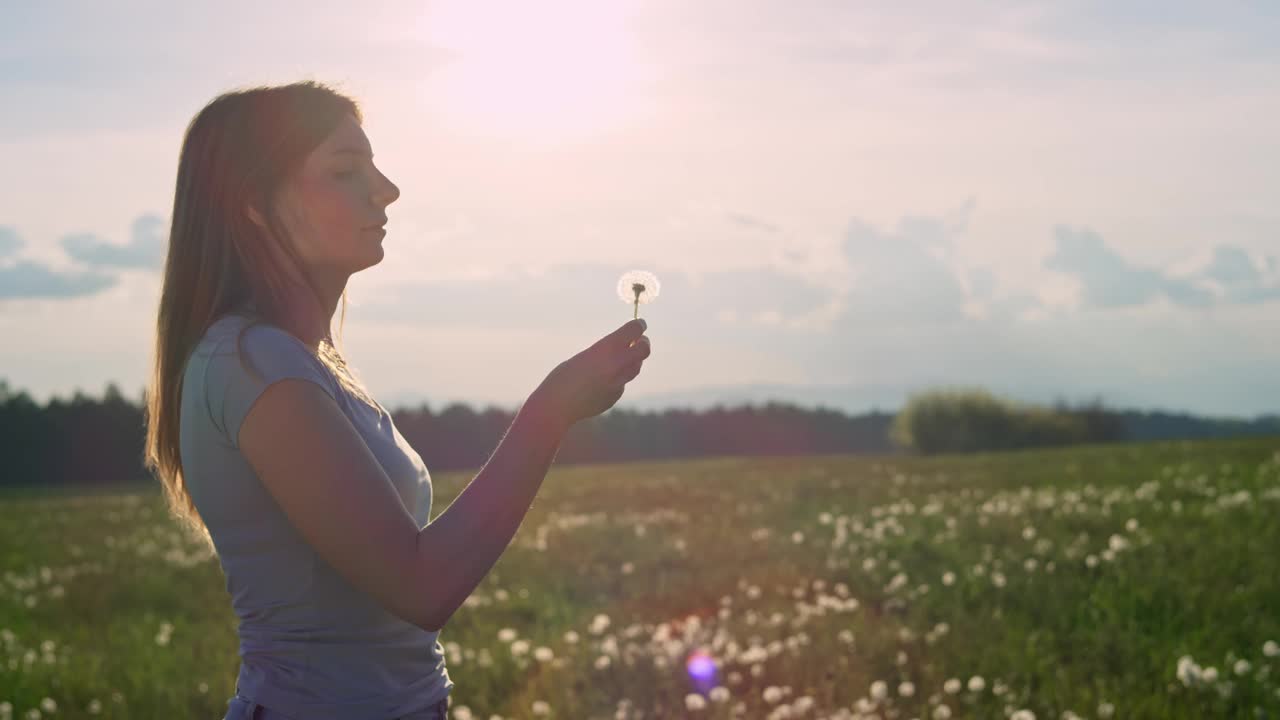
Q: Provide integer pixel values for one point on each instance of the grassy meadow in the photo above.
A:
(1128, 581)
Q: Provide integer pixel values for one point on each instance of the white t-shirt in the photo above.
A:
(311, 644)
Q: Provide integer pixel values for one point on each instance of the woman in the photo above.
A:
(273, 452)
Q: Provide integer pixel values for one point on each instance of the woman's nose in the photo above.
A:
(387, 193)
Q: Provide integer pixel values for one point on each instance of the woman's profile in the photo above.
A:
(271, 449)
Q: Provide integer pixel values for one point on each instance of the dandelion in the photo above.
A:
(1023, 715)
(952, 686)
(906, 689)
(977, 684)
(1106, 710)
(540, 707)
(543, 654)
(942, 712)
(599, 624)
(1242, 667)
(507, 635)
(879, 690)
(1271, 648)
(948, 578)
(772, 694)
(48, 705)
(719, 694)
(694, 702)
(1188, 672)
(638, 286)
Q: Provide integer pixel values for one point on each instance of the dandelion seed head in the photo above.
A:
(638, 286)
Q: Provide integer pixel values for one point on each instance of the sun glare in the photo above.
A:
(544, 71)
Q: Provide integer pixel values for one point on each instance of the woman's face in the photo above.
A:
(334, 207)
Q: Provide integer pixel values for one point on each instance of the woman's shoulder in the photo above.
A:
(231, 331)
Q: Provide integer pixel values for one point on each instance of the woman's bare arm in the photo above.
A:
(331, 487)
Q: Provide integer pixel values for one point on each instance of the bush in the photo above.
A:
(972, 420)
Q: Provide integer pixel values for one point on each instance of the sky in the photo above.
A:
(845, 203)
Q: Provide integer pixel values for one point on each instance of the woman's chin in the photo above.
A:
(369, 259)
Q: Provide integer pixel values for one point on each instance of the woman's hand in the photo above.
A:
(591, 382)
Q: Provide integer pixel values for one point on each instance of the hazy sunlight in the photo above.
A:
(561, 69)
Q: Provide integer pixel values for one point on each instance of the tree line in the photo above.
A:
(99, 441)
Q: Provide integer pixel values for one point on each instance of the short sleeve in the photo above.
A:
(232, 388)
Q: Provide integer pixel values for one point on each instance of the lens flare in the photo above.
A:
(701, 666)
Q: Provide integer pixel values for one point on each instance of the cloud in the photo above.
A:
(10, 243)
(145, 250)
(24, 279)
(753, 223)
(1238, 279)
(906, 274)
(28, 280)
(1109, 281)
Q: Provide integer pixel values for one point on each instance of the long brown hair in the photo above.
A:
(240, 150)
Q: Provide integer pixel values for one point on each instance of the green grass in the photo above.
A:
(808, 577)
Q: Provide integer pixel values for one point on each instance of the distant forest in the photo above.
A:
(99, 441)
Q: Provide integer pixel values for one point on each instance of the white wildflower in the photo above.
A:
(879, 690)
